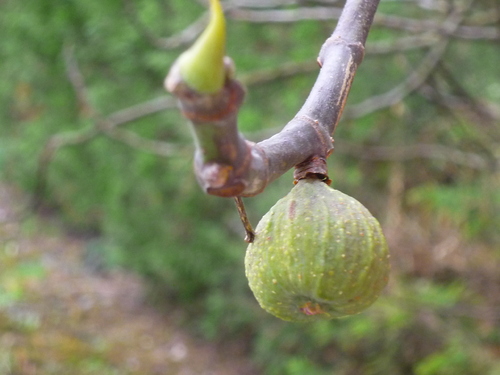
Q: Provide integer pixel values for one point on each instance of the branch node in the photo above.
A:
(325, 140)
(203, 108)
(314, 167)
(219, 179)
(357, 49)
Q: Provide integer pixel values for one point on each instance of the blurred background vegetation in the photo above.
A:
(88, 130)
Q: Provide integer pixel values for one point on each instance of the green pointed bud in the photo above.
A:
(202, 66)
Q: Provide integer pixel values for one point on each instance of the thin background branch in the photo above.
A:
(430, 33)
(107, 126)
(415, 151)
(416, 78)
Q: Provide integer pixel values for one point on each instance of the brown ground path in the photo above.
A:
(59, 317)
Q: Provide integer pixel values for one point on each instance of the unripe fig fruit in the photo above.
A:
(318, 254)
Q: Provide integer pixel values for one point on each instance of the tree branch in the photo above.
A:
(140, 110)
(285, 15)
(260, 3)
(403, 44)
(183, 37)
(399, 92)
(423, 25)
(133, 140)
(228, 165)
(75, 77)
(415, 79)
(416, 151)
(101, 126)
(394, 22)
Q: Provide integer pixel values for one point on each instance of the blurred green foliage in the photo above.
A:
(440, 313)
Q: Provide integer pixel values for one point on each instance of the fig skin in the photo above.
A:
(318, 254)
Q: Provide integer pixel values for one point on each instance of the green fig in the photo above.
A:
(318, 254)
(202, 65)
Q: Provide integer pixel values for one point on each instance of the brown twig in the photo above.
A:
(285, 15)
(259, 3)
(107, 126)
(137, 142)
(285, 70)
(415, 151)
(228, 165)
(75, 77)
(426, 25)
(399, 92)
(140, 110)
(403, 44)
(390, 21)
(415, 79)
(183, 37)
(50, 148)
(250, 233)
(458, 98)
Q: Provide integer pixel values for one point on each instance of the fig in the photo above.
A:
(318, 254)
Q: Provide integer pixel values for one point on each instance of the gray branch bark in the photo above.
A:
(228, 165)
